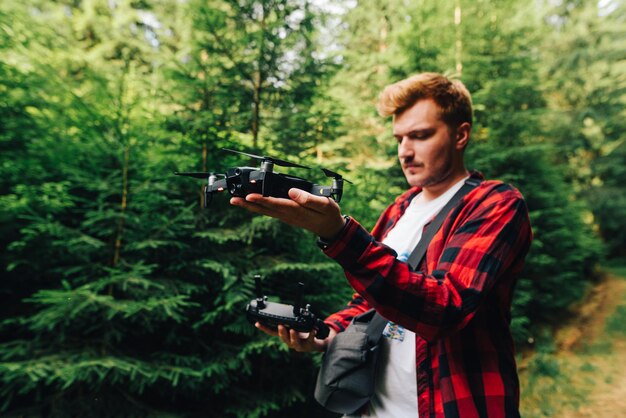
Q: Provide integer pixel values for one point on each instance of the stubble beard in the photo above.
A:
(438, 176)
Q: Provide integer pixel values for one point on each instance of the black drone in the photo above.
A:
(241, 181)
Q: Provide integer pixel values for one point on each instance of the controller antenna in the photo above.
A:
(260, 299)
(297, 308)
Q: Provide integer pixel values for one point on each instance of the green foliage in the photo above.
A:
(615, 323)
(119, 296)
(137, 297)
(608, 199)
(565, 250)
(582, 68)
(547, 390)
(546, 381)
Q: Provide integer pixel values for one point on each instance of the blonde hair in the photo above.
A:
(452, 97)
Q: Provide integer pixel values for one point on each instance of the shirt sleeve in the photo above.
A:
(485, 240)
(339, 321)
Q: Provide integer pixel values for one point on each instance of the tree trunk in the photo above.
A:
(120, 223)
(458, 47)
(258, 85)
(256, 111)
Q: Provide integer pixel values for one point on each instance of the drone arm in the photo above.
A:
(214, 186)
(208, 197)
(328, 191)
(321, 190)
(217, 186)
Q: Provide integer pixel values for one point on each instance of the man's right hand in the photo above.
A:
(299, 341)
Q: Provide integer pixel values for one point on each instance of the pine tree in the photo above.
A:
(582, 67)
(213, 88)
(511, 144)
(131, 299)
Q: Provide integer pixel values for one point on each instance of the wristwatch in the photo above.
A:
(324, 244)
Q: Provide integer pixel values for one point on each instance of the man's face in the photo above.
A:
(426, 148)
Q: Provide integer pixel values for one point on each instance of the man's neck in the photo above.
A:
(434, 191)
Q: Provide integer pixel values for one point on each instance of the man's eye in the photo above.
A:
(421, 136)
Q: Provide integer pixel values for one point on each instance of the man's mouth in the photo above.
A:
(412, 166)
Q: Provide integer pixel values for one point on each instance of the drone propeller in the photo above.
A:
(273, 160)
(199, 175)
(334, 175)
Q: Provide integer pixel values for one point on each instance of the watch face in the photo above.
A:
(324, 244)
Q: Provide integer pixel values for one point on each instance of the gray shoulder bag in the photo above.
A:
(345, 382)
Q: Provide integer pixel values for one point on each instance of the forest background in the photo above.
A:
(121, 296)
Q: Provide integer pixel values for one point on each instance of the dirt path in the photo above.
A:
(586, 374)
(588, 324)
(608, 394)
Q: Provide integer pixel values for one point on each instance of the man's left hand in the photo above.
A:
(318, 214)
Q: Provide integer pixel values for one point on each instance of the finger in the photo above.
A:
(240, 201)
(272, 202)
(285, 210)
(270, 206)
(297, 343)
(266, 330)
(298, 199)
(283, 334)
(320, 204)
(310, 340)
(254, 207)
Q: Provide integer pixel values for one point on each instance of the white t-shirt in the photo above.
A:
(395, 395)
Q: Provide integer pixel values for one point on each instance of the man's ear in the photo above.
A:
(463, 135)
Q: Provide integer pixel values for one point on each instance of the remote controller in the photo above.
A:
(272, 314)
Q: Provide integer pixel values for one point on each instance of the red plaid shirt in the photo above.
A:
(458, 304)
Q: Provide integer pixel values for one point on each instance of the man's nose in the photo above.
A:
(404, 149)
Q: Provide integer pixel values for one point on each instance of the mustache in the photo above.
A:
(406, 163)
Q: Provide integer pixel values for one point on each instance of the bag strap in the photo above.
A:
(378, 322)
(420, 249)
(374, 324)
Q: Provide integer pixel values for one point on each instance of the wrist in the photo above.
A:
(325, 242)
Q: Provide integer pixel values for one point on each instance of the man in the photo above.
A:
(447, 350)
